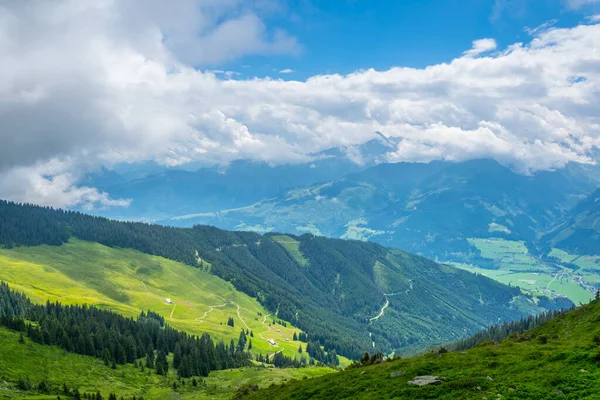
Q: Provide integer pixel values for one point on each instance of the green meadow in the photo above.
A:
(510, 255)
(588, 263)
(35, 363)
(517, 267)
(292, 246)
(127, 281)
(557, 360)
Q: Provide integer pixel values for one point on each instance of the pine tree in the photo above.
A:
(300, 349)
(150, 356)
(250, 345)
(159, 369)
(177, 356)
(162, 365)
(241, 341)
(295, 337)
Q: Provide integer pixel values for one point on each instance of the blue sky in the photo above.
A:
(341, 36)
(95, 84)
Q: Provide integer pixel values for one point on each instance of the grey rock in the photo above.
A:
(396, 373)
(426, 380)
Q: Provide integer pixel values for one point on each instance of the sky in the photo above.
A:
(94, 84)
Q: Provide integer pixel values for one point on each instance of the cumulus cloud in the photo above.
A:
(91, 84)
(481, 46)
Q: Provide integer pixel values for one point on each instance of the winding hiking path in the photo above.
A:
(268, 330)
(240, 317)
(211, 309)
(387, 303)
(172, 311)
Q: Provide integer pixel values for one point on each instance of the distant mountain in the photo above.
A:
(430, 209)
(579, 233)
(158, 192)
(350, 296)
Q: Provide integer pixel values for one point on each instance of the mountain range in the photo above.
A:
(426, 208)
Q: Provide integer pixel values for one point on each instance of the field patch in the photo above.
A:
(509, 254)
(588, 263)
(550, 283)
(292, 246)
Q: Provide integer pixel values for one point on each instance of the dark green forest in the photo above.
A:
(332, 298)
(117, 340)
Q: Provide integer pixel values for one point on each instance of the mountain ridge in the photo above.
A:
(332, 296)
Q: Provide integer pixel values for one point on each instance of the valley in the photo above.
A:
(299, 199)
(509, 229)
(556, 275)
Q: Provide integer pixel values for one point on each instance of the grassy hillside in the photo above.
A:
(36, 363)
(559, 359)
(128, 282)
(350, 296)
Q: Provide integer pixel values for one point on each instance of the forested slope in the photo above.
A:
(344, 294)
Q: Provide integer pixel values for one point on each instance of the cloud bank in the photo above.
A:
(91, 84)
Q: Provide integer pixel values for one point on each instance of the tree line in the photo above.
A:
(264, 271)
(116, 339)
(499, 332)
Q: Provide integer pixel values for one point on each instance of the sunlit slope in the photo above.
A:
(558, 360)
(128, 282)
(36, 363)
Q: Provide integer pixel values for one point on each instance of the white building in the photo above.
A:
(168, 300)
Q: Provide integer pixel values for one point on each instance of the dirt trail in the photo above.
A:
(172, 311)
(240, 317)
(211, 309)
(268, 330)
(387, 303)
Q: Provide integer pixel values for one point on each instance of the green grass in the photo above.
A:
(292, 246)
(127, 281)
(536, 282)
(38, 362)
(588, 263)
(560, 359)
(517, 267)
(511, 255)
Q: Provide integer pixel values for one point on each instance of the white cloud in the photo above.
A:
(576, 4)
(88, 84)
(286, 71)
(481, 46)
